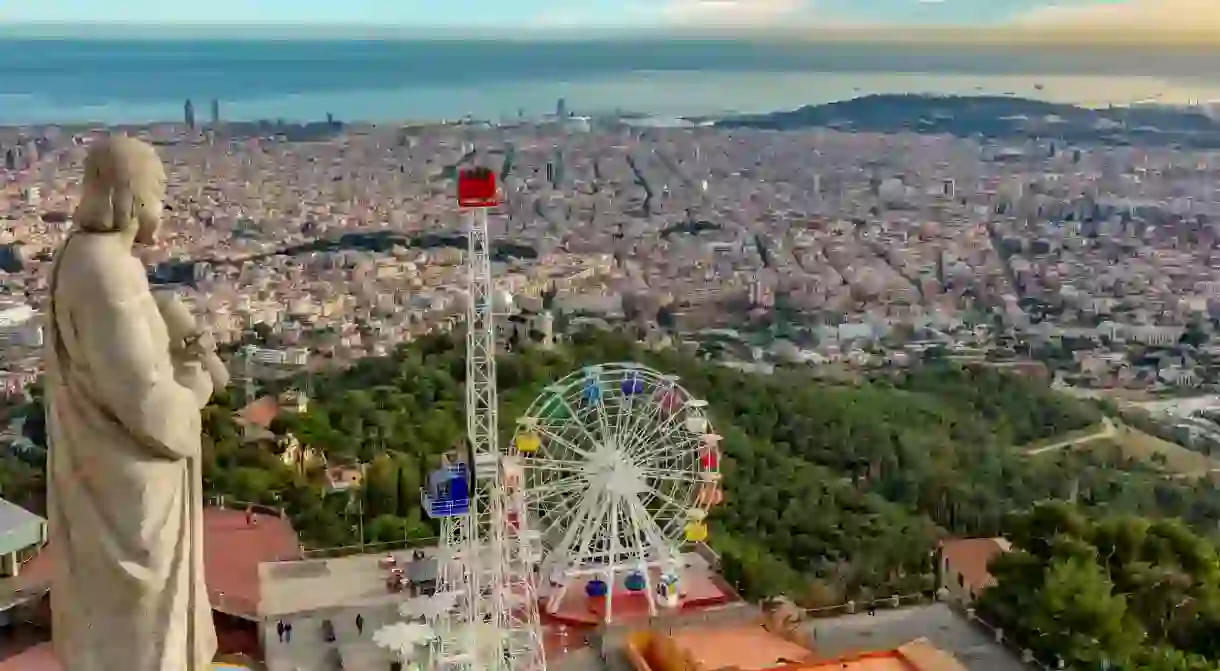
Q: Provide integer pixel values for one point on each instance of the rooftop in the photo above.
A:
(750, 648)
(971, 556)
(19, 528)
(233, 550)
(974, 648)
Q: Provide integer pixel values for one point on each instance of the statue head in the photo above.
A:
(123, 190)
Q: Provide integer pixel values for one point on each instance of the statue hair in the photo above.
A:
(123, 183)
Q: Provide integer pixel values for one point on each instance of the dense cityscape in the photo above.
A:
(915, 318)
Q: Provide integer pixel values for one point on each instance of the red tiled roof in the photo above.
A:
(232, 551)
(38, 658)
(970, 557)
(260, 412)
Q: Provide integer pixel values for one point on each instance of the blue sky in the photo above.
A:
(483, 13)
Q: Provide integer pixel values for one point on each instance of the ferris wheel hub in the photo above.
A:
(624, 477)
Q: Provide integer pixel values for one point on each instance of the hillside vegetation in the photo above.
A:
(833, 492)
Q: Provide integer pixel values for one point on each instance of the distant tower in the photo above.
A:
(188, 114)
(249, 388)
(546, 327)
(215, 112)
(561, 108)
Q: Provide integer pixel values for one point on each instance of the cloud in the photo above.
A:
(1153, 15)
(734, 12)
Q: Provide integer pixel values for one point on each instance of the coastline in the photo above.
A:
(661, 94)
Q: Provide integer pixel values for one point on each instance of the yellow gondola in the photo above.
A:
(528, 442)
(696, 532)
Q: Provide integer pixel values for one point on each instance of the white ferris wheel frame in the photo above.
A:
(614, 483)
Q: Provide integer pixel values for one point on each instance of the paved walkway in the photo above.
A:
(309, 651)
(889, 629)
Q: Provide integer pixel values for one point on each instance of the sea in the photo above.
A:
(112, 81)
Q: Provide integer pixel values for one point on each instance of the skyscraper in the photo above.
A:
(561, 108)
(188, 114)
(215, 112)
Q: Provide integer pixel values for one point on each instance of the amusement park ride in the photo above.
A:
(611, 471)
(486, 566)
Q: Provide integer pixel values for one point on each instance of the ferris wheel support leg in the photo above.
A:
(608, 616)
(648, 590)
(553, 602)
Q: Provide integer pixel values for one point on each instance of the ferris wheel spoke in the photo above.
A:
(672, 476)
(584, 513)
(560, 514)
(668, 452)
(646, 525)
(603, 421)
(666, 499)
(580, 425)
(553, 437)
(594, 521)
(653, 435)
(556, 466)
(641, 420)
(536, 495)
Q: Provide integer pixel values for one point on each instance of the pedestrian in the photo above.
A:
(279, 629)
(288, 632)
(360, 623)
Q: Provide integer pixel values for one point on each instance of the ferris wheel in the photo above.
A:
(620, 465)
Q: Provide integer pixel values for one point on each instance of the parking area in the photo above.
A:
(888, 629)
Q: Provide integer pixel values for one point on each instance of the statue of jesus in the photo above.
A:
(125, 499)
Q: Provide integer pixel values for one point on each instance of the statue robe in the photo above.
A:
(124, 478)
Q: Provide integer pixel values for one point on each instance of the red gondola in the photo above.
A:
(477, 188)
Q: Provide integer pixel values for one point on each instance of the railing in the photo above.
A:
(367, 548)
(1026, 655)
(884, 603)
(230, 503)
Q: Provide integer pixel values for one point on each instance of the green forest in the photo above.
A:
(1123, 591)
(833, 491)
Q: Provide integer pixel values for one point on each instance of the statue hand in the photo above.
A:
(201, 346)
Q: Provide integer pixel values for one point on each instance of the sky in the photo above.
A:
(814, 14)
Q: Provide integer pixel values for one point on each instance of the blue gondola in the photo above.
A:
(633, 384)
(634, 581)
(448, 492)
(596, 588)
(592, 392)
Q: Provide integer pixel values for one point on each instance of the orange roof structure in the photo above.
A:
(754, 648)
(971, 556)
(260, 412)
(918, 655)
(745, 648)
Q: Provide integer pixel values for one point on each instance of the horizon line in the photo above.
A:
(924, 34)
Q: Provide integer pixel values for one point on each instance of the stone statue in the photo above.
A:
(124, 479)
(191, 348)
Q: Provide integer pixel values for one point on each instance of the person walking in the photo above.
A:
(279, 629)
(360, 623)
(288, 632)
